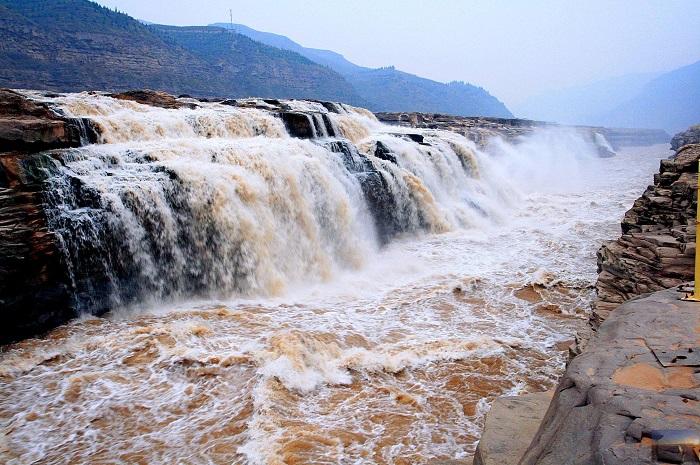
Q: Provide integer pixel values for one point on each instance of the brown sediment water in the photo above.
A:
(306, 341)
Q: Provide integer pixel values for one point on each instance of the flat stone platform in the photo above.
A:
(615, 393)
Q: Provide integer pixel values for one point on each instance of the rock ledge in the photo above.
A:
(616, 392)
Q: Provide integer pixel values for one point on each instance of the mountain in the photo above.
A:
(257, 69)
(388, 89)
(671, 101)
(584, 104)
(333, 60)
(72, 45)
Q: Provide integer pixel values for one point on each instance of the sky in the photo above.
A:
(512, 48)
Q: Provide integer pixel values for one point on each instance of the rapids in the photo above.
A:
(357, 297)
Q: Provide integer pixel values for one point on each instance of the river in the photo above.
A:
(331, 345)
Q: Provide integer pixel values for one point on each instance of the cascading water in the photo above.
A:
(220, 201)
(358, 296)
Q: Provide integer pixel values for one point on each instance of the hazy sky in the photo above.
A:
(513, 48)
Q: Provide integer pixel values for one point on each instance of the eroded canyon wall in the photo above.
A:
(615, 394)
(33, 290)
(657, 247)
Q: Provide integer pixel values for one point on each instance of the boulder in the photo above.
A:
(299, 124)
(509, 428)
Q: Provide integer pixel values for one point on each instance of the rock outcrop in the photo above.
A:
(27, 125)
(687, 137)
(65, 249)
(33, 287)
(153, 98)
(657, 247)
(36, 293)
(481, 129)
(617, 393)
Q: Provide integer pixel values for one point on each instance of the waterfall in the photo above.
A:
(219, 200)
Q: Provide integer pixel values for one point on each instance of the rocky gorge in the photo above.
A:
(657, 248)
(116, 200)
(30, 127)
(620, 393)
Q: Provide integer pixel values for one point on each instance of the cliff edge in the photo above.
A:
(657, 248)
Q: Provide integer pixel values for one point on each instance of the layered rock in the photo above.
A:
(33, 289)
(481, 129)
(476, 128)
(616, 394)
(67, 246)
(27, 125)
(153, 98)
(657, 247)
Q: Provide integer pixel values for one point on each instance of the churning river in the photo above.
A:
(277, 300)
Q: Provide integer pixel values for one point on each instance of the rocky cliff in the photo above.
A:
(687, 137)
(657, 247)
(36, 289)
(33, 287)
(481, 129)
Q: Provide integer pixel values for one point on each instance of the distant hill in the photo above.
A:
(671, 101)
(584, 104)
(72, 45)
(257, 69)
(333, 60)
(388, 89)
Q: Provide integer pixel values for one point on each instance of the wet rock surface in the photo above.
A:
(154, 98)
(481, 129)
(657, 247)
(51, 269)
(33, 290)
(616, 392)
(28, 125)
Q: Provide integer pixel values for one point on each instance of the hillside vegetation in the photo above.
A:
(72, 45)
